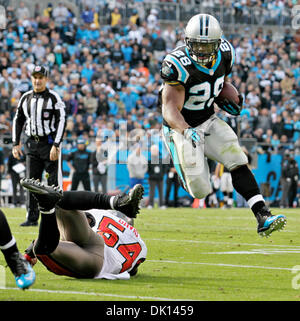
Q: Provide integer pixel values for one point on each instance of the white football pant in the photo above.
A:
(219, 143)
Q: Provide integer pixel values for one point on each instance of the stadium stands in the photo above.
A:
(105, 64)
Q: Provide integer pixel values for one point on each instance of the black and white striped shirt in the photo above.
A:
(43, 114)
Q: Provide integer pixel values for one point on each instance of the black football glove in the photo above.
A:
(231, 107)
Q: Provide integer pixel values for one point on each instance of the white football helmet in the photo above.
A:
(203, 38)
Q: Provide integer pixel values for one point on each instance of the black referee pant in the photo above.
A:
(38, 160)
(81, 177)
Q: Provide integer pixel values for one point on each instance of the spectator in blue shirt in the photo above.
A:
(128, 98)
(113, 107)
(60, 88)
(149, 99)
(87, 72)
(10, 38)
(94, 32)
(87, 15)
(127, 51)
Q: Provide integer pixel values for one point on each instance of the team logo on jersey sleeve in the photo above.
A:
(166, 69)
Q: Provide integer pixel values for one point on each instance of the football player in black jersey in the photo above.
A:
(194, 75)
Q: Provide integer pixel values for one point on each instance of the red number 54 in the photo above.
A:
(129, 251)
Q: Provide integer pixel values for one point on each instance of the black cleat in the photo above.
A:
(29, 223)
(129, 203)
(268, 223)
(47, 196)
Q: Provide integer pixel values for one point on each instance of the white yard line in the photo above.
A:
(221, 264)
(97, 294)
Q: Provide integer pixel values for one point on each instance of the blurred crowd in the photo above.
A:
(108, 73)
(250, 12)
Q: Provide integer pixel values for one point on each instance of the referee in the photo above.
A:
(43, 113)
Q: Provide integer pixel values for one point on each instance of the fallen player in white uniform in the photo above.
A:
(77, 241)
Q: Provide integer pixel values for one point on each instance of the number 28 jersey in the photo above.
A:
(123, 246)
(201, 84)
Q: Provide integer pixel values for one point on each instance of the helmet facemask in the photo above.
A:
(202, 51)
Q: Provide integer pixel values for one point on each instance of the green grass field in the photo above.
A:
(193, 254)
